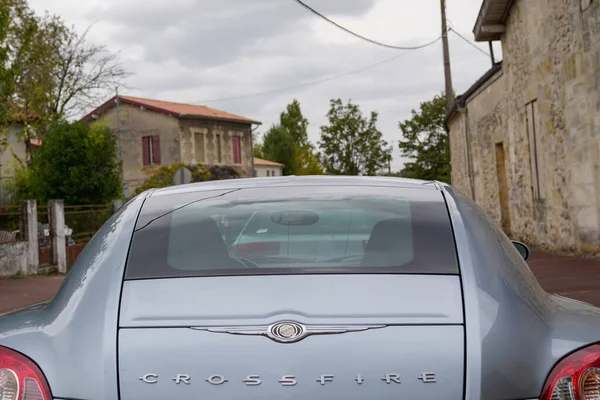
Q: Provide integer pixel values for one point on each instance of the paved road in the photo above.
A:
(568, 276)
(577, 278)
(19, 293)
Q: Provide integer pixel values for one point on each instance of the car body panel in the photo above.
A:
(249, 300)
(73, 338)
(405, 351)
(515, 332)
(296, 181)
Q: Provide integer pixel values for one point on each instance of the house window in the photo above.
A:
(151, 150)
(268, 173)
(199, 147)
(237, 149)
(273, 173)
(535, 149)
(218, 139)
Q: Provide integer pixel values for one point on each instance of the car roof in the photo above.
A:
(288, 181)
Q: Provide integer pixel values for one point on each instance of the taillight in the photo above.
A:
(20, 378)
(576, 377)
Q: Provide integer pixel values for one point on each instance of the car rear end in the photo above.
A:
(325, 293)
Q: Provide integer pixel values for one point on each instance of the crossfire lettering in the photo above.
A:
(286, 380)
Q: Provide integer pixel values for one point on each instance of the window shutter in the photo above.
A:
(156, 149)
(237, 151)
(146, 149)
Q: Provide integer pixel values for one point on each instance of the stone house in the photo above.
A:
(263, 168)
(525, 138)
(154, 132)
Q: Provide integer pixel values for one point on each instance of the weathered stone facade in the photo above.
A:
(136, 123)
(186, 139)
(199, 144)
(525, 143)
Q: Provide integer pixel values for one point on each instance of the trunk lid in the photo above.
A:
(361, 336)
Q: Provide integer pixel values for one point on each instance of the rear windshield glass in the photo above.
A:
(303, 230)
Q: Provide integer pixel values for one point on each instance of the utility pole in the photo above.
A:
(447, 71)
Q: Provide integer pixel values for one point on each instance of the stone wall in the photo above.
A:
(14, 258)
(547, 115)
(136, 123)
(22, 256)
(475, 129)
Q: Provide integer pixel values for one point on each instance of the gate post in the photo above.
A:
(57, 229)
(30, 234)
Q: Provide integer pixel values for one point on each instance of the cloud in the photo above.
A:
(199, 50)
(209, 33)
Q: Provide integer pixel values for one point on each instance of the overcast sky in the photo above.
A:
(195, 51)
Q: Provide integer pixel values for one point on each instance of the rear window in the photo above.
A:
(308, 230)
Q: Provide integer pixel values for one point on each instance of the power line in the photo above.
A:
(469, 42)
(331, 78)
(389, 46)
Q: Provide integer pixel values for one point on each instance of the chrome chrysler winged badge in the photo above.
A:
(288, 331)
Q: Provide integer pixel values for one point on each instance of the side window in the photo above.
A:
(151, 150)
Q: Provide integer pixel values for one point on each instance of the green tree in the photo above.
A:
(307, 160)
(56, 72)
(6, 73)
(6, 69)
(257, 151)
(48, 71)
(162, 176)
(77, 163)
(426, 142)
(351, 144)
(15, 25)
(293, 121)
(278, 145)
(59, 74)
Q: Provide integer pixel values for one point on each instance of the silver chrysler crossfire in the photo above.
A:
(302, 288)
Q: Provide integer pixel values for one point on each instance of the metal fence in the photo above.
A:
(82, 222)
(12, 223)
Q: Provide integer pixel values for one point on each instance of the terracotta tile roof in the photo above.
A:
(260, 161)
(175, 109)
